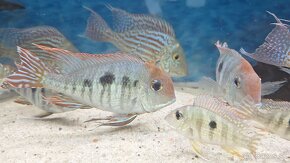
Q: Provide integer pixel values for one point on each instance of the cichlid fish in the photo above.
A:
(275, 115)
(236, 81)
(118, 83)
(236, 75)
(276, 48)
(148, 37)
(212, 121)
(42, 35)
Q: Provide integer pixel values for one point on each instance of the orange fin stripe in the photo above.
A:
(30, 71)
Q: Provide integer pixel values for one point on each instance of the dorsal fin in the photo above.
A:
(222, 108)
(225, 50)
(124, 21)
(67, 61)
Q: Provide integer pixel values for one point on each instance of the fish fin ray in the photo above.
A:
(97, 28)
(124, 21)
(271, 87)
(31, 72)
(225, 50)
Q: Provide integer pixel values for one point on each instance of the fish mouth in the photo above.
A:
(159, 106)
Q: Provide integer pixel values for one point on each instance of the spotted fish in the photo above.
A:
(148, 37)
(275, 115)
(42, 35)
(276, 48)
(118, 83)
(212, 121)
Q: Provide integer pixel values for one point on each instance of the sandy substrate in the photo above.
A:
(65, 138)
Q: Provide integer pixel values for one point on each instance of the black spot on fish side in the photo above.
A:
(212, 124)
(125, 81)
(33, 90)
(135, 83)
(220, 66)
(289, 123)
(87, 83)
(107, 79)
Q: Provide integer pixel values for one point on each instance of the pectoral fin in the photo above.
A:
(233, 151)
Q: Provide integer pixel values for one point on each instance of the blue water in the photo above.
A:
(241, 23)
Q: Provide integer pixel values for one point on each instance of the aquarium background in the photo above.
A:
(198, 23)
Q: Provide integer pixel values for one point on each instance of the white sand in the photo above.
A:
(65, 138)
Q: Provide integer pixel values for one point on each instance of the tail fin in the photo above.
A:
(30, 73)
(97, 29)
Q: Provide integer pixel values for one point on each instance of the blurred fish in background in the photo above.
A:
(10, 5)
(42, 35)
(147, 36)
(276, 48)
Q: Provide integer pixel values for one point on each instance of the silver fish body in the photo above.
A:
(118, 83)
(212, 121)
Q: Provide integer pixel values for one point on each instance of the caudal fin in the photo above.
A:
(30, 73)
(97, 29)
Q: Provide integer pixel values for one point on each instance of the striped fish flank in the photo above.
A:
(212, 121)
(150, 44)
(124, 85)
(43, 35)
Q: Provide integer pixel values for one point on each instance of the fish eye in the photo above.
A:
(176, 57)
(212, 124)
(178, 115)
(237, 82)
(156, 85)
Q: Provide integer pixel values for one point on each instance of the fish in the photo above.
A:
(275, 115)
(237, 76)
(236, 81)
(148, 37)
(117, 83)
(7, 5)
(24, 37)
(276, 48)
(212, 121)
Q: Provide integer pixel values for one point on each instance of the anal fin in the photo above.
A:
(65, 101)
(21, 100)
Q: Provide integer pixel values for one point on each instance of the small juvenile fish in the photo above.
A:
(42, 35)
(276, 48)
(212, 121)
(148, 37)
(118, 83)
